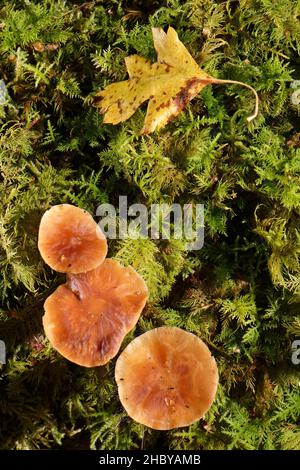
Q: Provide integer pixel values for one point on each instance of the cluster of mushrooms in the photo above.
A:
(166, 377)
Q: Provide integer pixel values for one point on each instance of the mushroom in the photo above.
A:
(87, 318)
(70, 240)
(167, 378)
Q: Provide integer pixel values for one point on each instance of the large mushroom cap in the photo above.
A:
(87, 318)
(167, 378)
(70, 240)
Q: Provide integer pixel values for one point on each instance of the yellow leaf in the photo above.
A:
(169, 84)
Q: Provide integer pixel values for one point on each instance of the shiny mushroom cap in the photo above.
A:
(87, 318)
(70, 240)
(167, 378)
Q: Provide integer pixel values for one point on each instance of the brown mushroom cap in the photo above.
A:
(167, 378)
(87, 318)
(70, 240)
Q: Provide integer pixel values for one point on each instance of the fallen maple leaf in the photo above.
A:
(169, 84)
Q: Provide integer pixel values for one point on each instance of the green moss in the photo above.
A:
(240, 293)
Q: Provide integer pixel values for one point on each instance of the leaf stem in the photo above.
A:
(235, 82)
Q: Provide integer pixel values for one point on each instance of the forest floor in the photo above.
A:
(240, 293)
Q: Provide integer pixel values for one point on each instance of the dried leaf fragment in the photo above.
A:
(169, 84)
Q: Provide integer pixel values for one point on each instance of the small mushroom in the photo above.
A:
(167, 378)
(87, 318)
(70, 240)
